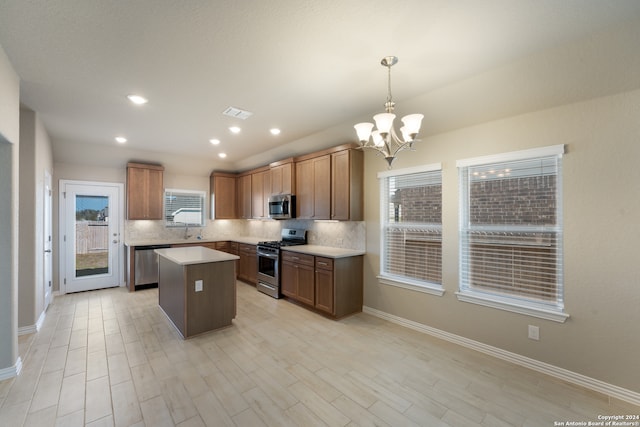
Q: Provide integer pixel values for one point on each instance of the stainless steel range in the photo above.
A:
(269, 259)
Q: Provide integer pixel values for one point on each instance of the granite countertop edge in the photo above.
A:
(194, 255)
(247, 240)
(325, 251)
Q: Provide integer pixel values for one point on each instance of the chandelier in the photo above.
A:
(384, 138)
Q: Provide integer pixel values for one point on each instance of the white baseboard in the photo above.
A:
(40, 320)
(32, 329)
(26, 330)
(545, 368)
(11, 371)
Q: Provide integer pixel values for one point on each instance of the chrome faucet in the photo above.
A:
(186, 231)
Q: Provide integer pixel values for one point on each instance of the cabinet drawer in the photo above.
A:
(297, 258)
(324, 263)
(243, 247)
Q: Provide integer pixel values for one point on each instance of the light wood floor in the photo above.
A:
(110, 357)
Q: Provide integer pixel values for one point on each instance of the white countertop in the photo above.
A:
(194, 255)
(325, 251)
(247, 240)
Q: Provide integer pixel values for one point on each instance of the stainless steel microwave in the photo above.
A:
(282, 206)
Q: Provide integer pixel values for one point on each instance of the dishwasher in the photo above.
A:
(146, 265)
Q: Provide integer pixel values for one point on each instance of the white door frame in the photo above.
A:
(47, 274)
(63, 232)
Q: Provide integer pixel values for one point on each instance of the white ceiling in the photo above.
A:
(302, 66)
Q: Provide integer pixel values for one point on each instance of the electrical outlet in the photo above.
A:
(198, 285)
(534, 333)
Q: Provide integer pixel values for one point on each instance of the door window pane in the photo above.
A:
(92, 235)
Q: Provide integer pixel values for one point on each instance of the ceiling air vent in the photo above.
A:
(237, 113)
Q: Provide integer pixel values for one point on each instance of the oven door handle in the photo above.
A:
(266, 255)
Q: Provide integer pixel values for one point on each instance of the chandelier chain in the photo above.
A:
(389, 96)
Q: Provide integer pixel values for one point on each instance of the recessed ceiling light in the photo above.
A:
(214, 141)
(222, 155)
(121, 139)
(137, 99)
(275, 131)
(235, 129)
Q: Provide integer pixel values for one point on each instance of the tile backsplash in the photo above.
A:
(343, 234)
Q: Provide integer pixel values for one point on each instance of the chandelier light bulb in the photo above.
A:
(364, 131)
(406, 136)
(378, 141)
(412, 123)
(384, 122)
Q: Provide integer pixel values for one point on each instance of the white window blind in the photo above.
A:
(411, 221)
(184, 208)
(511, 230)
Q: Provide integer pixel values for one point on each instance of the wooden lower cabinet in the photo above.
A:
(333, 286)
(296, 280)
(324, 284)
(248, 263)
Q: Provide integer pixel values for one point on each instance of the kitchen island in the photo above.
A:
(197, 288)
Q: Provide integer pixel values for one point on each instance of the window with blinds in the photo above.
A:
(411, 221)
(511, 228)
(184, 208)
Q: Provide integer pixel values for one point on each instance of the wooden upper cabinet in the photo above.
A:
(145, 191)
(260, 192)
(223, 195)
(244, 196)
(313, 187)
(283, 177)
(347, 176)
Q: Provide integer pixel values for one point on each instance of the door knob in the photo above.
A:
(48, 251)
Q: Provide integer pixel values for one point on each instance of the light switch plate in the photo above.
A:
(534, 332)
(198, 285)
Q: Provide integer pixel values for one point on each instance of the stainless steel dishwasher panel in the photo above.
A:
(146, 265)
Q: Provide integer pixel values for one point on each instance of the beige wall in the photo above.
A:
(9, 138)
(601, 212)
(35, 159)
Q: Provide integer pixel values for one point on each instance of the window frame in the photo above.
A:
(404, 282)
(203, 202)
(514, 303)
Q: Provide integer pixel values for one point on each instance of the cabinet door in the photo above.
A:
(155, 193)
(266, 192)
(248, 263)
(137, 193)
(340, 185)
(144, 192)
(257, 196)
(244, 196)
(347, 197)
(252, 266)
(282, 179)
(324, 285)
(223, 196)
(306, 284)
(313, 187)
(304, 188)
(322, 187)
(288, 277)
